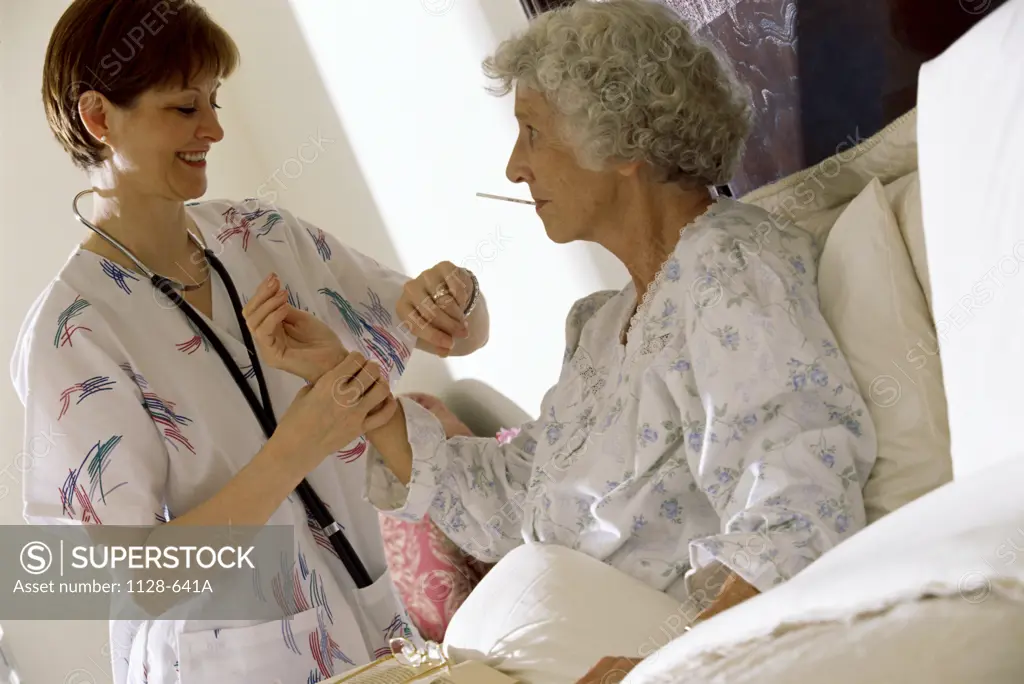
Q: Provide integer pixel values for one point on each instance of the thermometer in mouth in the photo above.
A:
(502, 197)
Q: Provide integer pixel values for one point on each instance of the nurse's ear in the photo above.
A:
(96, 113)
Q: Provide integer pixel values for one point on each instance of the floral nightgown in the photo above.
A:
(727, 429)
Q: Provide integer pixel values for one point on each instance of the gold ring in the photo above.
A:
(440, 293)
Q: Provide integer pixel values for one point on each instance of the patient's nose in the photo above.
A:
(517, 171)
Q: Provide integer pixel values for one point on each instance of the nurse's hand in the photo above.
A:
(432, 306)
(287, 338)
(346, 402)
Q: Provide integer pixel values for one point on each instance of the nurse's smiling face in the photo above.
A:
(158, 146)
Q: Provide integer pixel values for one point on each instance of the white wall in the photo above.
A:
(408, 88)
(37, 183)
(394, 94)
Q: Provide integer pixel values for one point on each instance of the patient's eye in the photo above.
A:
(531, 133)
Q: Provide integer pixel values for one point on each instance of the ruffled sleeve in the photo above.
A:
(473, 488)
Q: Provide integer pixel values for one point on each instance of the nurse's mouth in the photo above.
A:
(194, 159)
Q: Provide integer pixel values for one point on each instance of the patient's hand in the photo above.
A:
(453, 427)
(609, 670)
(735, 590)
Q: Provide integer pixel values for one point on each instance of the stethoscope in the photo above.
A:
(261, 407)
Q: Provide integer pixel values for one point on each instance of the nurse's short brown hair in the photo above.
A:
(121, 49)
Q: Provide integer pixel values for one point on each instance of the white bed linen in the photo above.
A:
(546, 614)
(971, 147)
(941, 641)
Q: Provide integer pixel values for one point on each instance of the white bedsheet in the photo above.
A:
(547, 614)
(964, 541)
(971, 152)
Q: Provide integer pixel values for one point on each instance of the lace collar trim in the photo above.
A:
(655, 285)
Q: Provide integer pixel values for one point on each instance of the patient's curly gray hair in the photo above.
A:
(632, 84)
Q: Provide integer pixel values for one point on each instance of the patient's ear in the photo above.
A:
(629, 168)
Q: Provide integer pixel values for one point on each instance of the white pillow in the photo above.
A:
(546, 614)
(972, 176)
(904, 197)
(871, 299)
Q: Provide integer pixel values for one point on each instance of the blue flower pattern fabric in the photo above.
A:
(728, 427)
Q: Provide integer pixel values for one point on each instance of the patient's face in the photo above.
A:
(571, 201)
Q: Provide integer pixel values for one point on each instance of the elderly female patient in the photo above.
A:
(704, 416)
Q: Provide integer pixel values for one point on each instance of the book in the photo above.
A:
(388, 670)
(408, 664)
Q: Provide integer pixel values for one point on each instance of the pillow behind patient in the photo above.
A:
(871, 298)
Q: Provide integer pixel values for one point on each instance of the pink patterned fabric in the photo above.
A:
(432, 575)
(506, 435)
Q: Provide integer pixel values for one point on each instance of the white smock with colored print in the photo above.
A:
(151, 425)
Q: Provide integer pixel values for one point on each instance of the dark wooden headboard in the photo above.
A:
(823, 74)
(827, 74)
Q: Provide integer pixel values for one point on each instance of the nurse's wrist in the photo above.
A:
(277, 459)
(338, 356)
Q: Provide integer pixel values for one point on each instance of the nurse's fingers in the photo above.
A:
(370, 378)
(268, 288)
(365, 390)
(256, 318)
(443, 313)
(427, 319)
(346, 388)
(374, 397)
(443, 352)
(434, 340)
(381, 415)
(348, 367)
(455, 296)
(267, 329)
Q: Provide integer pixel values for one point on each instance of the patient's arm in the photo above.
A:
(473, 488)
(391, 442)
(786, 441)
(453, 426)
